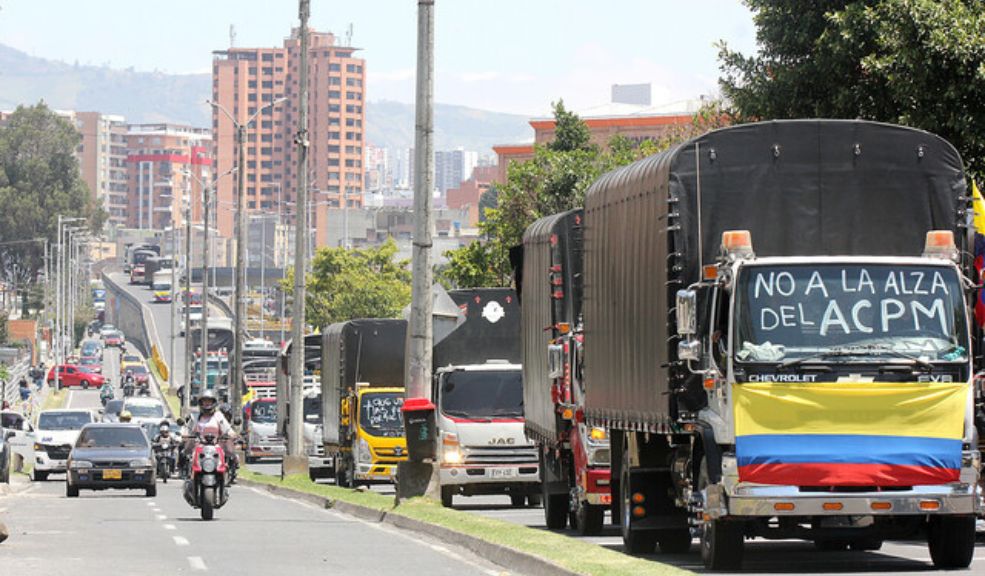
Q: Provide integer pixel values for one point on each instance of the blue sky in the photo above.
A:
(504, 55)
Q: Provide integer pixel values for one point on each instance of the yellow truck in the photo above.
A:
(362, 394)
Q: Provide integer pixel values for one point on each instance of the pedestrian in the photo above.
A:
(25, 389)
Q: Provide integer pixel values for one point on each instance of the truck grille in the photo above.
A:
(57, 452)
(500, 455)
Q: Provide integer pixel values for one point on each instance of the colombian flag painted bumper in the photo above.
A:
(849, 434)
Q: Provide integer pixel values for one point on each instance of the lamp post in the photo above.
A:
(240, 320)
(60, 266)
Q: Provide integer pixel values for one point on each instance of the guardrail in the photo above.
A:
(12, 396)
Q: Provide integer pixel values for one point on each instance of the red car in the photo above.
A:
(71, 375)
(93, 363)
(113, 339)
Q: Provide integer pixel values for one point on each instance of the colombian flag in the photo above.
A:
(978, 206)
(849, 434)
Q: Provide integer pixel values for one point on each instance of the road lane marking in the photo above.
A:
(151, 503)
(170, 527)
(197, 563)
(180, 541)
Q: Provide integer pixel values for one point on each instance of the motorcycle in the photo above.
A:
(106, 394)
(144, 390)
(164, 450)
(128, 387)
(205, 488)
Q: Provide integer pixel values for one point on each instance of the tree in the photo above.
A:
(919, 63)
(488, 201)
(39, 179)
(553, 181)
(355, 283)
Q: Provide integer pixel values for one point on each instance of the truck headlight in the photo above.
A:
(363, 453)
(451, 449)
(598, 434)
(80, 464)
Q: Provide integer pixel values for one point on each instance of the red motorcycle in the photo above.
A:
(205, 487)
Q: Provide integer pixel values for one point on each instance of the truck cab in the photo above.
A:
(262, 438)
(373, 424)
(483, 448)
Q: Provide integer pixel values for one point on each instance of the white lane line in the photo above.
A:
(161, 516)
(71, 397)
(152, 503)
(180, 541)
(170, 527)
(197, 563)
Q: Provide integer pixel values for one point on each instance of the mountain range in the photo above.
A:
(149, 97)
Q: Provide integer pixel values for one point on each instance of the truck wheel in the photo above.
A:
(556, 511)
(589, 519)
(951, 540)
(71, 491)
(633, 541)
(447, 496)
(721, 541)
(39, 476)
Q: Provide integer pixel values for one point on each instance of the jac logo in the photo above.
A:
(935, 378)
(502, 441)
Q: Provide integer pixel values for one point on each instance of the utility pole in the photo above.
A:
(296, 462)
(187, 205)
(174, 292)
(236, 380)
(203, 341)
(420, 478)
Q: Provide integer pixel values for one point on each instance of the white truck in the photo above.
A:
(56, 433)
(478, 391)
(161, 285)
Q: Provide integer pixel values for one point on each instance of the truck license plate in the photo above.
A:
(502, 472)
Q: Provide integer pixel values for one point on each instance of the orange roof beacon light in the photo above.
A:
(940, 244)
(737, 245)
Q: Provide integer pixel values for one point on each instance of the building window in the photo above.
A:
(334, 108)
(333, 149)
(334, 94)
(268, 84)
(253, 71)
(268, 57)
(334, 81)
(355, 82)
(334, 135)
(353, 109)
(267, 71)
(334, 67)
(354, 68)
(353, 95)
(252, 97)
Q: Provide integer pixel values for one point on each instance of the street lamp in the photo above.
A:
(240, 320)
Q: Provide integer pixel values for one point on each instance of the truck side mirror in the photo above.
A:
(555, 360)
(687, 312)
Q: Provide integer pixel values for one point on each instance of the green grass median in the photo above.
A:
(571, 553)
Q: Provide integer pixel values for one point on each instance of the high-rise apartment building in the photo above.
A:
(453, 167)
(102, 159)
(244, 80)
(158, 157)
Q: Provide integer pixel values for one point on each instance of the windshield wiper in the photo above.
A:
(855, 351)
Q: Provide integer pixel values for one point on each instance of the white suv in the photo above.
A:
(56, 433)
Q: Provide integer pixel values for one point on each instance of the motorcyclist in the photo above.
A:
(125, 417)
(164, 436)
(128, 382)
(106, 392)
(209, 421)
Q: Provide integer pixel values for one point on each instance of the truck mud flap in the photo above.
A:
(660, 512)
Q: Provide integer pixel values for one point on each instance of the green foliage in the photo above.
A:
(488, 201)
(919, 63)
(356, 283)
(39, 179)
(4, 330)
(553, 181)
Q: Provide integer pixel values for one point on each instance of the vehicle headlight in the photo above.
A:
(208, 465)
(38, 447)
(598, 434)
(363, 453)
(140, 463)
(80, 464)
(451, 452)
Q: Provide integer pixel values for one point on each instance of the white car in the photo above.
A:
(144, 410)
(23, 433)
(56, 434)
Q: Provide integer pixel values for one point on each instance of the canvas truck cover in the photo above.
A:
(491, 330)
(802, 187)
(551, 293)
(356, 351)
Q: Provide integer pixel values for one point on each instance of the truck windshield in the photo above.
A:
(263, 412)
(483, 394)
(859, 311)
(63, 420)
(379, 414)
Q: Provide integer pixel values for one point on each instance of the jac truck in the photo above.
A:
(574, 456)
(478, 391)
(362, 393)
(777, 336)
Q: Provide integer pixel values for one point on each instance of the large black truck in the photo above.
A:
(574, 456)
(777, 336)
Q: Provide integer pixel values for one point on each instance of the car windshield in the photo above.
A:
(483, 394)
(790, 313)
(162, 287)
(263, 412)
(12, 421)
(90, 361)
(63, 420)
(90, 349)
(112, 437)
(379, 414)
(146, 410)
(139, 369)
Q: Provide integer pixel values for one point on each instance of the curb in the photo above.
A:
(495, 553)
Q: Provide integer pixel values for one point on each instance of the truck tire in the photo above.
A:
(556, 511)
(589, 519)
(39, 476)
(951, 540)
(633, 541)
(721, 541)
(71, 491)
(447, 496)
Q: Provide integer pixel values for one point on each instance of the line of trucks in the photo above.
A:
(763, 332)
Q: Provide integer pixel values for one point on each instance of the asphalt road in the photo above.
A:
(123, 532)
